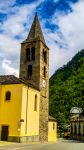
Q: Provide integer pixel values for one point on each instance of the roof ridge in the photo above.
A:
(12, 79)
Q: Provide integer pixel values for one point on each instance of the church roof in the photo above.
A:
(35, 31)
(11, 79)
(50, 118)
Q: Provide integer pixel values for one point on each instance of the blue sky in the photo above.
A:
(62, 22)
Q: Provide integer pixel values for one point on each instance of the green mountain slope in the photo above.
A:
(67, 88)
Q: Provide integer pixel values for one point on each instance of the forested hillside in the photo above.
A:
(67, 89)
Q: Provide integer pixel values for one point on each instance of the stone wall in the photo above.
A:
(37, 79)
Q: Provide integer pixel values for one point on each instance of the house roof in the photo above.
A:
(35, 31)
(11, 79)
(50, 118)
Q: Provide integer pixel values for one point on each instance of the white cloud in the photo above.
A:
(5, 6)
(70, 34)
(71, 29)
(9, 46)
(13, 26)
(71, 26)
(8, 68)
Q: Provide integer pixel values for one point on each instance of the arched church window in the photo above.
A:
(35, 102)
(44, 72)
(8, 96)
(29, 71)
(28, 54)
(44, 56)
(33, 53)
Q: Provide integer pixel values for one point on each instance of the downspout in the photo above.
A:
(26, 112)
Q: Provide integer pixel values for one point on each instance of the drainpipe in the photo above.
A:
(26, 112)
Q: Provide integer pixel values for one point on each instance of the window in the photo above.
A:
(35, 103)
(75, 129)
(79, 129)
(44, 72)
(29, 71)
(44, 56)
(33, 53)
(28, 54)
(8, 96)
(53, 126)
(71, 128)
(83, 130)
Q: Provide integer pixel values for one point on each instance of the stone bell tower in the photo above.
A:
(34, 69)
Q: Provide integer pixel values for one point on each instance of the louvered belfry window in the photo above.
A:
(28, 54)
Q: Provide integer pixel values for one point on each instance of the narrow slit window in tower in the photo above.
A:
(44, 72)
(29, 71)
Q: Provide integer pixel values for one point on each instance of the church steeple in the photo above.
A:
(34, 69)
(35, 31)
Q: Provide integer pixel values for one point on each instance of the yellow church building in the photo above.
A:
(24, 111)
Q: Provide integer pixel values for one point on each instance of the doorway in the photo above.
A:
(4, 133)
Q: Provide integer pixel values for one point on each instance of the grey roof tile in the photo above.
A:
(11, 79)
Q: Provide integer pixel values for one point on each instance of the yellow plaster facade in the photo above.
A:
(31, 125)
(18, 113)
(52, 131)
(24, 100)
(20, 116)
(10, 111)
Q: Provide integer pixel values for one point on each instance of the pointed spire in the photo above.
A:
(35, 31)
